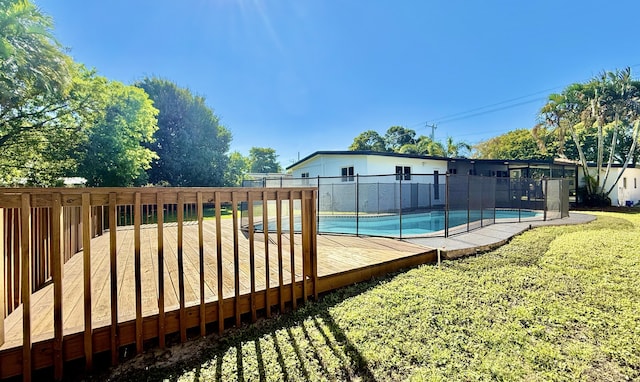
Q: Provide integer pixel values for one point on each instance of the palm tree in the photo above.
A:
(454, 149)
(609, 103)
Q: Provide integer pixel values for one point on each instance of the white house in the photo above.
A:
(370, 181)
(348, 164)
(627, 190)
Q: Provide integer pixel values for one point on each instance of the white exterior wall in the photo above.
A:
(621, 194)
(331, 165)
(376, 194)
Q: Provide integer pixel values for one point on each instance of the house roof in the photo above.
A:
(364, 152)
(418, 156)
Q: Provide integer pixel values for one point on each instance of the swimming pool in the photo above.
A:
(412, 224)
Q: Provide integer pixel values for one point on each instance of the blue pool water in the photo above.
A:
(412, 224)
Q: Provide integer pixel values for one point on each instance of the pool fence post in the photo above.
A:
(468, 201)
(520, 204)
(400, 193)
(546, 187)
(318, 205)
(446, 205)
(357, 204)
(482, 202)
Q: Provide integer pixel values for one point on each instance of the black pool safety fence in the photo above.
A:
(418, 205)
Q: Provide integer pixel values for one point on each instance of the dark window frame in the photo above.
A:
(347, 173)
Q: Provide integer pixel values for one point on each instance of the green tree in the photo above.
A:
(424, 146)
(190, 142)
(41, 97)
(32, 62)
(398, 136)
(114, 153)
(263, 160)
(369, 140)
(515, 144)
(457, 149)
(237, 168)
(602, 117)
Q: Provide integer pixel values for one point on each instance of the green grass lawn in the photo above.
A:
(556, 303)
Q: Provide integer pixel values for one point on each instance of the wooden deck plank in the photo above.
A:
(336, 255)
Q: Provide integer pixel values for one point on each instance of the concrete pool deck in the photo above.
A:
(491, 237)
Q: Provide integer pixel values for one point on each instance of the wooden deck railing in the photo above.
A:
(40, 237)
(43, 228)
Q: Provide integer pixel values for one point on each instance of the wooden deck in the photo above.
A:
(341, 260)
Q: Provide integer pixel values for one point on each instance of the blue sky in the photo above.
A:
(306, 75)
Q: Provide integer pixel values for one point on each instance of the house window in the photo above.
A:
(624, 182)
(305, 175)
(453, 171)
(436, 185)
(403, 173)
(347, 174)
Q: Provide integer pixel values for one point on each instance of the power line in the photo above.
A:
(446, 117)
(467, 114)
(491, 110)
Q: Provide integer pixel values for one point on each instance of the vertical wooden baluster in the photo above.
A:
(236, 257)
(252, 258)
(137, 215)
(57, 259)
(292, 251)
(25, 211)
(218, 207)
(305, 243)
(86, 251)
(161, 317)
(113, 227)
(203, 318)
(280, 262)
(3, 278)
(314, 243)
(265, 230)
(183, 315)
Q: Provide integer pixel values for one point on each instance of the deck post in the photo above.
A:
(137, 221)
(314, 245)
(265, 231)
(308, 241)
(161, 314)
(113, 274)
(86, 252)
(25, 239)
(2, 278)
(183, 314)
(57, 261)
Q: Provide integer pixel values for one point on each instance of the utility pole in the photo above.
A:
(433, 130)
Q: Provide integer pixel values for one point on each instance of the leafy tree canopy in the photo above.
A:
(398, 136)
(41, 97)
(263, 160)
(190, 142)
(602, 117)
(370, 140)
(515, 144)
(402, 140)
(114, 155)
(237, 168)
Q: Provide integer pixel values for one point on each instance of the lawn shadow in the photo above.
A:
(290, 356)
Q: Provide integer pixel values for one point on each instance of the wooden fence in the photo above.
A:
(43, 228)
